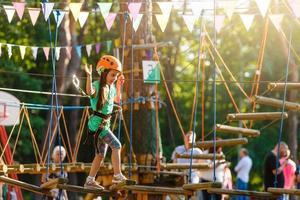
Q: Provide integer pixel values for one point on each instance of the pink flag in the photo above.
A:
(109, 20)
(34, 14)
(46, 52)
(295, 5)
(98, 47)
(219, 22)
(19, 8)
(134, 9)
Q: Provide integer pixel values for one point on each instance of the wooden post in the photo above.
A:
(280, 86)
(209, 156)
(256, 116)
(222, 143)
(276, 103)
(237, 130)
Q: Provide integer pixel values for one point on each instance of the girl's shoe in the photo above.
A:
(119, 178)
(92, 184)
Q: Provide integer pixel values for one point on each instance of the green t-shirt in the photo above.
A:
(95, 121)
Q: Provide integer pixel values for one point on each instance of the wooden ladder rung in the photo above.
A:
(256, 116)
(237, 130)
(276, 103)
(222, 143)
(280, 86)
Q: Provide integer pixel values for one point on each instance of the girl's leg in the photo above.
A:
(116, 160)
(96, 165)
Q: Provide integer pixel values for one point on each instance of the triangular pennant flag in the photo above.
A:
(229, 7)
(189, 21)
(75, 9)
(108, 45)
(137, 21)
(34, 51)
(198, 7)
(69, 51)
(34, 14)
(263, 6)
(134, 9)
(19, 6)
(165, 7)
(109, 20)
(117, 42)
(88, 48)
(276, 20)
(98, 47)
(59, 16)
(9, 50)
(82, 18)
(295, 5)
(46, 52)
(10, 11)
(104, 9)
(78, 50)
(162, 21)
(57, 53)
(247, 20)
(219, 22)
(22, 51)
(47, 9)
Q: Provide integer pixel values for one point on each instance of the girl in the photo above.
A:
(102, 94)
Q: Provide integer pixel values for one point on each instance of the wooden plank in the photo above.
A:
(202, 186)
(276, 103)
(222, 143)
(209, 156)
(25, 186)
(119, 186)
(79, 189)
(157, 190)
(284, 191)
(232, 192)
(237, 130)
(256, 116)
(184, 166)
(52, 183)
(280, 86)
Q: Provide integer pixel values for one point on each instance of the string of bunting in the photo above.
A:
(228, 7)
(46, 49)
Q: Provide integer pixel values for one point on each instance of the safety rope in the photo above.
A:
(283, 108)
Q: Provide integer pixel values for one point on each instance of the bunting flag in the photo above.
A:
(75, 9)
(10, 11)
(276, 20)
(57, 53)
(108, 45)
(263, 6)
(98, 47)
(34, 14)
(78, 50)
(104, 9)
(295, 5)
(58, 16)
(34, 51)
(134, 9)
(247, 20)
(162, 21)
(109, 20)
(19, 6)
(82, 18)
(69, 51)
(88, 49)
(9, 50)
(117, 42)
(137, 22)
(47, 9)
(229, 7)
(46, 52)
(198, 7)
(22, 51)
(166, 8)
(219, 22)
(190, 21)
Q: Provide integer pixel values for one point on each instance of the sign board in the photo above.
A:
(151, 71)
(9, 109)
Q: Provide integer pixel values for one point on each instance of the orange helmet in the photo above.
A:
(109, 62)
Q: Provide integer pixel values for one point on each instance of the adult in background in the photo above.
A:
(243, 169)
(289, 173)
(270, 166)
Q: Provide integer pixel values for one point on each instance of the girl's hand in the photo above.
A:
(88, 70)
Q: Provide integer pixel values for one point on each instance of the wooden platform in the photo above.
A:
(184, 166)
(52, 183)
(80, 189)
(284, 191)
(261, 195)
(209, 156)
(158, 190)
(201, 186)
(222, 143)
(25, 186)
